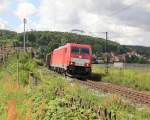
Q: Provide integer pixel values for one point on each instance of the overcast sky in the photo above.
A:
(126, 21)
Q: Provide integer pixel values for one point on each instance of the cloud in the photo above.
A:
(30, 25)
(118, 18)
(60, 15)
(129, 2)
(24, 10)
(3, 24)
(147, 7)
(126, 21)
(4, 5)
(134, 40)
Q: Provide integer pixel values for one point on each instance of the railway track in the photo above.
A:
(134, 95)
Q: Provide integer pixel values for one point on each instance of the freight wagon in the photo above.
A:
(71, 59)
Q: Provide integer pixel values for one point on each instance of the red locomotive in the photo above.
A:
(72, 59)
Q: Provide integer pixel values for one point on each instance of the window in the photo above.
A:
(84, 51)
(76, 50)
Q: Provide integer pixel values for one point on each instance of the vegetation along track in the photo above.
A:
(133, 95)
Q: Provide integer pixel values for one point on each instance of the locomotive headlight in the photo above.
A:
(87, 65)
(72, 63)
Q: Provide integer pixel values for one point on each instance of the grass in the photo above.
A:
(9, 89)
(134, 78)
(48, 100)
(114, 103)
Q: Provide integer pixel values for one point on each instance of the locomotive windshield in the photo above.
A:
(76, 50)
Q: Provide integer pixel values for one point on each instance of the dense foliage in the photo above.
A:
(7, 36)
(46, 41)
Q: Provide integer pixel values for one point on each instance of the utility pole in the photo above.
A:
(18, 67)
(106, 53)
(24, 42)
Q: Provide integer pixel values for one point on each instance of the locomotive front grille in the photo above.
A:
(78, 70)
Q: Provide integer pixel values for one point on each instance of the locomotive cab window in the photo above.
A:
(76, 50)
(84, 51)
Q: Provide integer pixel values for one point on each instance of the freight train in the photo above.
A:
(73, 60)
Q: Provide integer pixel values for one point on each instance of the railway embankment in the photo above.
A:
(55, 97)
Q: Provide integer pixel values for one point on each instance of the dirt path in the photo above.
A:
(11, 110)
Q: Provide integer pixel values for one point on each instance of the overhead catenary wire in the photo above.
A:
(123, 9)
(113, 14)
(116, 28)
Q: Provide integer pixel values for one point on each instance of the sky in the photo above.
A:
(126, 21)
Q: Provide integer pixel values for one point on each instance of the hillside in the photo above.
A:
(46, 41)
(51, 40)
(7, 36)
